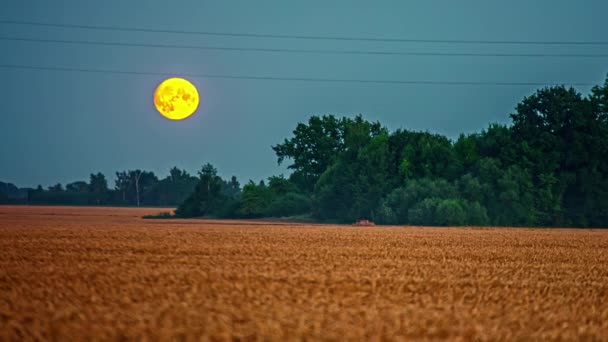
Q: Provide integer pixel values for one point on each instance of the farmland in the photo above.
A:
(105, 273)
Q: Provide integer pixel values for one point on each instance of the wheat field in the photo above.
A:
(106, 273)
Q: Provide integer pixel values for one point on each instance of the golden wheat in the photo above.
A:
(105, 273)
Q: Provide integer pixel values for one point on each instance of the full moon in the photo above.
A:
(176, 98)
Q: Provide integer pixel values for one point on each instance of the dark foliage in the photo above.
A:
(548, 168)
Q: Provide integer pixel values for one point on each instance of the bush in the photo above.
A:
(450, 212)
(385, 214)
(229, 209)
(477, 215)
(189, 208)
(424, 213)
(395, 208)
(290, 204)
(254, 200)
(432, 202)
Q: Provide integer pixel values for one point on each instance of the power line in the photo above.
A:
(295, 79)
(305, 37)
(305, 51)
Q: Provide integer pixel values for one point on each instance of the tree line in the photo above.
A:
(548, 167)
(132, 188)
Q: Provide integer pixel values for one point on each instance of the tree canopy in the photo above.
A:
(548, 167)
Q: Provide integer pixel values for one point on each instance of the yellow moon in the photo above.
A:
(176, 98)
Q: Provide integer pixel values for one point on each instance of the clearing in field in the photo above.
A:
(82, 273)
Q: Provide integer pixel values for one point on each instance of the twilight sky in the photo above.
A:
(60, 126)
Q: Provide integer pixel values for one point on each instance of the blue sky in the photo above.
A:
(60, 126)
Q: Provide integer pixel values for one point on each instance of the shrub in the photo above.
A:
(289, 204)
(424, 212)
(477, 215)
(450, 212)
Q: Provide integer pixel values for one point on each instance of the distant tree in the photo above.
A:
(471, 189)
(289, 204)
(135, 176)
(78, 186)
(497, 142)
(255, 200)
(424, 213)
(561, 134)
(98, 186)
(56, 188)
(33, 194)
(170, 191)
(476, 214)
(450, 212)
(350, 189)
(177, 174)
(466, 151)
(123, 182)
(516, 198)
(596, 185)
(397, 206)
(142, 181)
(13, 194)
(133, 184)
(422, 155)
(316, 145)
(231, 188)
(207, 198)
(281, 186)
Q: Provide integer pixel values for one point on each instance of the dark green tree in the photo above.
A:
(172, 190)
(350, 189)
(232, 188)
(207, 198)
(123, 183)
(56, 188)
(312, 149)
(98, 186)
(255, 200)
(78, 186)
